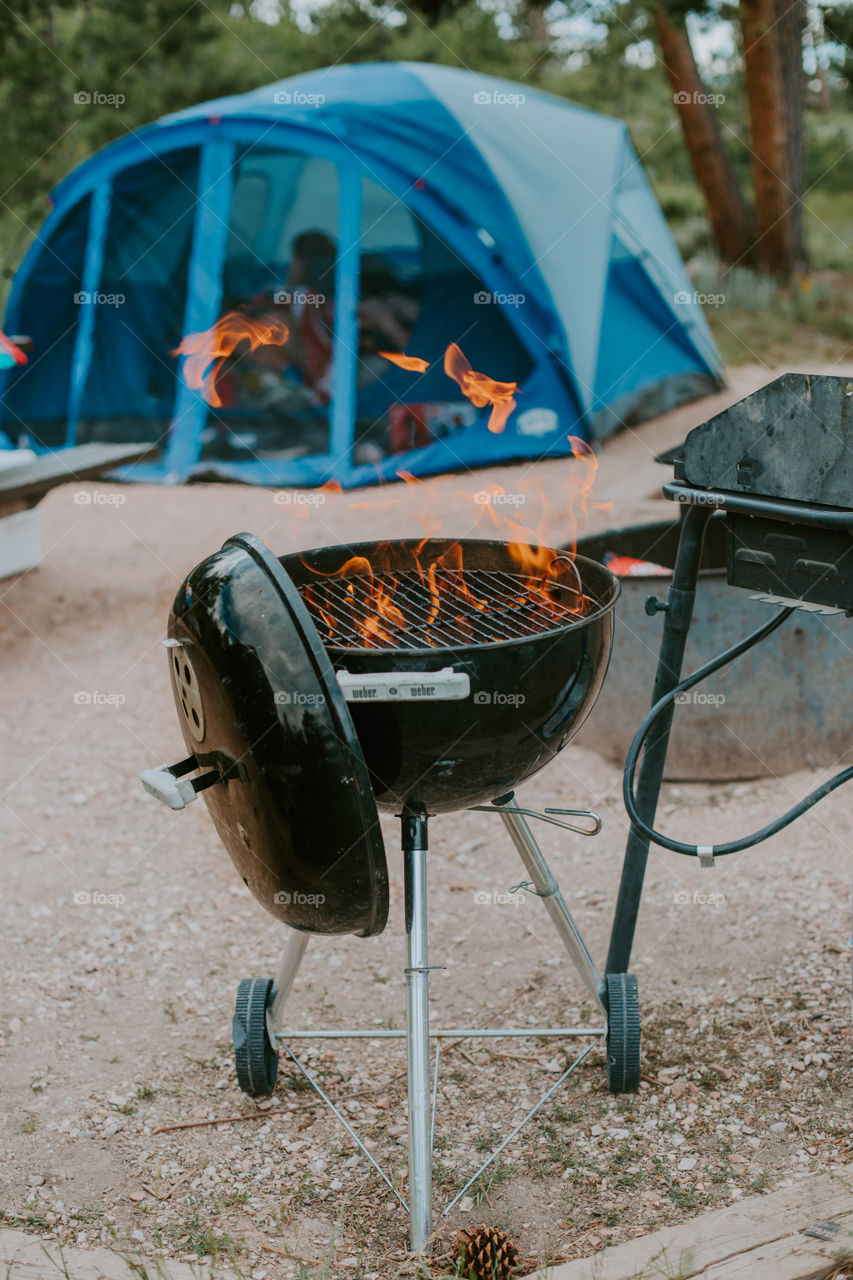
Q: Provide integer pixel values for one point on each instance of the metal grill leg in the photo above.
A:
(549, 891)
(678, 612)
(288, 967)
(417, 1029)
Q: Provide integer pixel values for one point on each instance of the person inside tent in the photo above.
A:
(294, 381)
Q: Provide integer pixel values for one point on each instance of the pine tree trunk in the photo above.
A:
(774, 245)
(728, 211)
(791, 20)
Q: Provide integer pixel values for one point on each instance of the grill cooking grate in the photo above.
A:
(344, 607)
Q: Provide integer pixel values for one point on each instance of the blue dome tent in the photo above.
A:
(371, 207)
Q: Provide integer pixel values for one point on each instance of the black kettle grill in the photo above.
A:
(299, 695)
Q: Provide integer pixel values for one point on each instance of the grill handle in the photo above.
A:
(446, 685)
(591, 830)
(169, 784)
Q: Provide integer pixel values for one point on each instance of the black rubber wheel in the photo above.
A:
(255, 1056)
(623, 1033)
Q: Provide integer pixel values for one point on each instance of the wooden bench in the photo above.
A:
(759, 1238)
(23, 486)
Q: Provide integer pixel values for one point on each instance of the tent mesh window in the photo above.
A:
(130, 388)
(280, 263)
(34, 406)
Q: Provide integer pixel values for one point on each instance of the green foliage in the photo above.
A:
(838, 27)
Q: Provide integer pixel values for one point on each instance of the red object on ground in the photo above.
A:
(630, 567)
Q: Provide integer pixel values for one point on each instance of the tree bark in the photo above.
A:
(791, 21)
(774, 245)
(728, 211)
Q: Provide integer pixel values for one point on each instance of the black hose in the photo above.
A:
(732, 846)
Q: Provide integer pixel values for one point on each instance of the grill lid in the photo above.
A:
(792, 439)
(297, 813)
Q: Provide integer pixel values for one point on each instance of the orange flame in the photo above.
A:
(478, 387)
(414, 364)
(481, 389)
(529, 546)
(206, 352)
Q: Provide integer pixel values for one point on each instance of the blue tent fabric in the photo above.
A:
(531, 236)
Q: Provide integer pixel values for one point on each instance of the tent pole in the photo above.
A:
(204, 296)
(86, 300)
(345, 358)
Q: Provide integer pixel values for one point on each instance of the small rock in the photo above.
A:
(687, 1163)
(779, 1127)
(466, 1204)
(35, 1180)
(15, 1026)
(137, 1235)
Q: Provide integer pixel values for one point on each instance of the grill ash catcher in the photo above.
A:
(776, 469)
(309, 699)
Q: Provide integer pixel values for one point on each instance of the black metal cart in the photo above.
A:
(777, 470)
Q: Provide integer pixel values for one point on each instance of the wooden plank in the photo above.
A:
(26, 1257)
(757, 1239)
(22, 486)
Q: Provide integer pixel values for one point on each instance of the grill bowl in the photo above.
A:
(529, 695)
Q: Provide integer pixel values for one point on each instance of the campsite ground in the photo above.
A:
(115, 1012)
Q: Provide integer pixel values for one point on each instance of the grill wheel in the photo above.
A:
(623, 1033)
(254, 1056)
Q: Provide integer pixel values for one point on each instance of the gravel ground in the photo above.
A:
(126, 932)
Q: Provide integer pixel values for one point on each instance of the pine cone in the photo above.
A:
(486, 1253)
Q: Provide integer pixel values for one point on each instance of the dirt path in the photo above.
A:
(126, 931)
